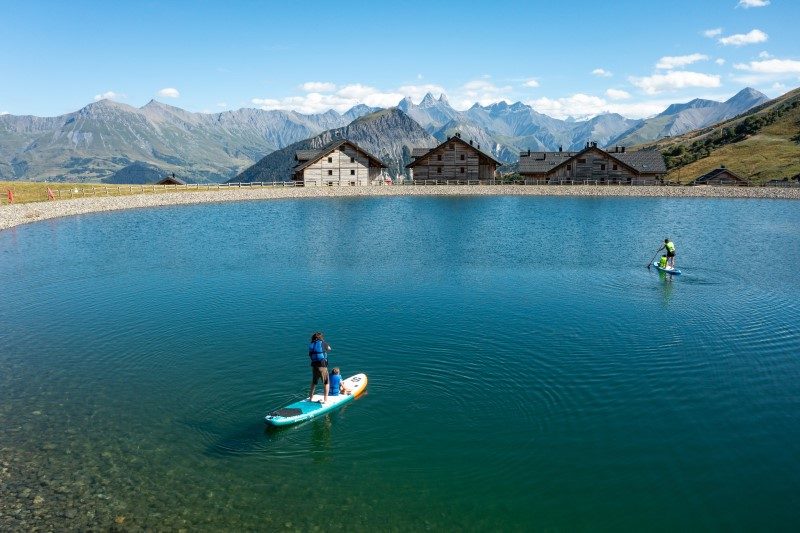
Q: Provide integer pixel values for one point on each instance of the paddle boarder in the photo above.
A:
(669, 246)
(318, 352)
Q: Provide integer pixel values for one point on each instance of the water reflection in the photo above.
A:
(666, 288)
(321, 439)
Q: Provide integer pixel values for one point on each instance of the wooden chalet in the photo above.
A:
(593, 164)
(454, 159)
(341, 162)
(171, 180)
(794, 181)
(720, 176)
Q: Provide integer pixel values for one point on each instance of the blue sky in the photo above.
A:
(567, 58)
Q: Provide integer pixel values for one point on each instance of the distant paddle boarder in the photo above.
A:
(669, 246)
(318, 352)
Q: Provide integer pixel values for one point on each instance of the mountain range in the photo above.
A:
(106, 136)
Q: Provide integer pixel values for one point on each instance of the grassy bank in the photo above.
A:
(30, 191)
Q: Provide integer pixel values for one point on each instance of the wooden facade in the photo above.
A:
(592, 165)
(720, 176)
(454, 159)
(339, 163)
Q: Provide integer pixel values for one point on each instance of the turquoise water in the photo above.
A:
(525, 369)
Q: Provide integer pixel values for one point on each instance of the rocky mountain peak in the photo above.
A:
(747, 96)
(428, 101)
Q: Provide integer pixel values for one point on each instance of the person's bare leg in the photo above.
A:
(325, 397)
(311, 394)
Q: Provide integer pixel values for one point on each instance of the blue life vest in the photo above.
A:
(334, 381)
(316, 351)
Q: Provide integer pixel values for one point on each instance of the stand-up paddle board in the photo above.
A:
(673, 271)
(306, 409)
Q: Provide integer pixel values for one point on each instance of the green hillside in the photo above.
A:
(760, 145)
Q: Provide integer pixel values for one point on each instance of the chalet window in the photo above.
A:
(352, 172)
(452, 146)
(614, 167)
(462, 157)
(439, 157)
(602, 167)
(581, 161)
(438, 170)
(330, 173)
(330, 160)
(462, 170)
(352, 159)
(569, 167)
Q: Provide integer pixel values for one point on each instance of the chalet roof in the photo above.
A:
(171, 180)
(309, 157)
(541, 162)
(646, 161)
(641, 161)
(419, 153)
(716, 172)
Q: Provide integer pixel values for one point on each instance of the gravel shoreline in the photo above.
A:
(15, 215)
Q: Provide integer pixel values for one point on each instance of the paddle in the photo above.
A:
(653, 259)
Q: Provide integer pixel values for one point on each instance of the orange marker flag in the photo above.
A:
(10, 196)
(50, 195)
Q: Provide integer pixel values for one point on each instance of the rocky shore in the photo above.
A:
(15, 215)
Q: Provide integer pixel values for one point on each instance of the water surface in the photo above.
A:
(526, 370)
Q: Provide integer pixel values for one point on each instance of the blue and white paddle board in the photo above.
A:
(673, 271)
(306, 409)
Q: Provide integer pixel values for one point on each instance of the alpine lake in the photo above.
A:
(527, 371)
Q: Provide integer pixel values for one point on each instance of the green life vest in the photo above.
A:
(670, 247)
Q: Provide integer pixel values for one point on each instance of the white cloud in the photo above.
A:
(481, 91)
(584, 106)
(602, 73)
(741, 39)
(675, 79)
(752, 3)
(222, 104)
(109, 95)
(169, 92)
(417, 92)
(577, 106)
(618, 94)
(719, 61)
(318, 87)
(531, 83)
(672, 62)
(764, 55)
(341, 100)
(4, 113)
(714, 32)
(778, 86)
(771, 66)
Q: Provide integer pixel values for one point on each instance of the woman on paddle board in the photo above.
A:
(318, 352)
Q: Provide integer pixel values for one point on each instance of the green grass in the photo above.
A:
(761, 145)
(30, 191)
